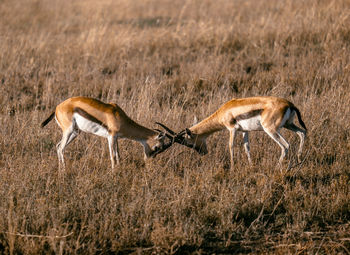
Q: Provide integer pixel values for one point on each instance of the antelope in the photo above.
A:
(103, 119)
(261, 113)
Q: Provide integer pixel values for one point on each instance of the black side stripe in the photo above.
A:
(248, 115)
(89, 117)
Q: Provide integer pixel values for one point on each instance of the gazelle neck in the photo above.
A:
(138, 132)
(207, 126)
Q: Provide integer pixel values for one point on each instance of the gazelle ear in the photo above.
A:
(189, 133)
(195, 120)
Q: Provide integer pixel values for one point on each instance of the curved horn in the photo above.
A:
(166, 128)
(171, 137)
(158, 130)
(182, 132)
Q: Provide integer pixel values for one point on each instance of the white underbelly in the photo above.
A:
(89, 126)
(251, 124)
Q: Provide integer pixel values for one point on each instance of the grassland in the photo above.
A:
(168, 61)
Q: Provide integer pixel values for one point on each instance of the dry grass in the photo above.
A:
(168, 61)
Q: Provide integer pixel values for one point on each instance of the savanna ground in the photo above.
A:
(168, 61)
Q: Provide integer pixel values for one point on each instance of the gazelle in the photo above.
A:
(107, 120)
(268, 114)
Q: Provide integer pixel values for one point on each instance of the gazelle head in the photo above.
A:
(187, 138)
(158, 144)
(191, 140)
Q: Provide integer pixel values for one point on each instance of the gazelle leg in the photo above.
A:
(116, 150)
(278, 138)
(301, 133)
(113, 149)
(60, 153)
(246, 146)
(67, 138)
(231, 141)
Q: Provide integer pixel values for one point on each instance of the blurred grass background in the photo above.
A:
(168, 61)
